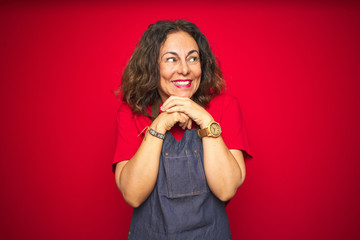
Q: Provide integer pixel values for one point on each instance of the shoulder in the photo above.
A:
(125, 111)
(124, 107)
(221, 104)
(224, 97)
(222, 100)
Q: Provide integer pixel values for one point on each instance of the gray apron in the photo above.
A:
(181, 205)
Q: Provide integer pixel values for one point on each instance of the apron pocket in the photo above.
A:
(185, 175)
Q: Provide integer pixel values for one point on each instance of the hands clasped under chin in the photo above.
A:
(183, 111)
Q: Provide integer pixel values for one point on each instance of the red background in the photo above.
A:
(294, 67)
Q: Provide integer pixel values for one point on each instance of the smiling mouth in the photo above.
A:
(182, 83)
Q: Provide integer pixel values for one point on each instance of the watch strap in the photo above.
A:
(203, 132)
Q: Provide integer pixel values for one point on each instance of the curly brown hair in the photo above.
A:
(141, 77)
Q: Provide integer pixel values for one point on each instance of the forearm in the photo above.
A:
(138, 176)
(223, 172)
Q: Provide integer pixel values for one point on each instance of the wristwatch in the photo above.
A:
(212, 130)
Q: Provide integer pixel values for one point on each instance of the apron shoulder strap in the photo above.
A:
(155, 110)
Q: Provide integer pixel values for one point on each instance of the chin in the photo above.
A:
(187, 94)
(183, 95)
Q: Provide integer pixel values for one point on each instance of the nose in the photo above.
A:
(184, 68)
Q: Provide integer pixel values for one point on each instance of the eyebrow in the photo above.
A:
(174, 53)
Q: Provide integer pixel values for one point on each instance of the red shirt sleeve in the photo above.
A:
(226, 110)
(127, 133)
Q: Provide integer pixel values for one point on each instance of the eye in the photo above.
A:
(171, 59)
(193, 59)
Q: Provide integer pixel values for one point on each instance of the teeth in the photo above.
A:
(182, 83)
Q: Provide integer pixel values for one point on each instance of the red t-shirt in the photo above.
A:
(224, 108)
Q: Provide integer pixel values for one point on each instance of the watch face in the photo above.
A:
(215, 129)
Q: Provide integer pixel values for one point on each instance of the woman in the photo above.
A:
(172, 162)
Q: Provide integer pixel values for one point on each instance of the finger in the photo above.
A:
(166, 103)
(179, 109)
(189, 125)
(184, 115)
(174, 101)
(181, 105)
(186, 122)
(181, 119)
(181, 122)
(171, 98)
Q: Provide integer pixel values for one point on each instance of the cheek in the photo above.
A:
(198, 72)
(165, 73)
(198, 68)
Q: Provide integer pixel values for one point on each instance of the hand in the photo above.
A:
(188, 107)
(165, 121)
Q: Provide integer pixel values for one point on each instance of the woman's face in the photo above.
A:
(179, 63)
